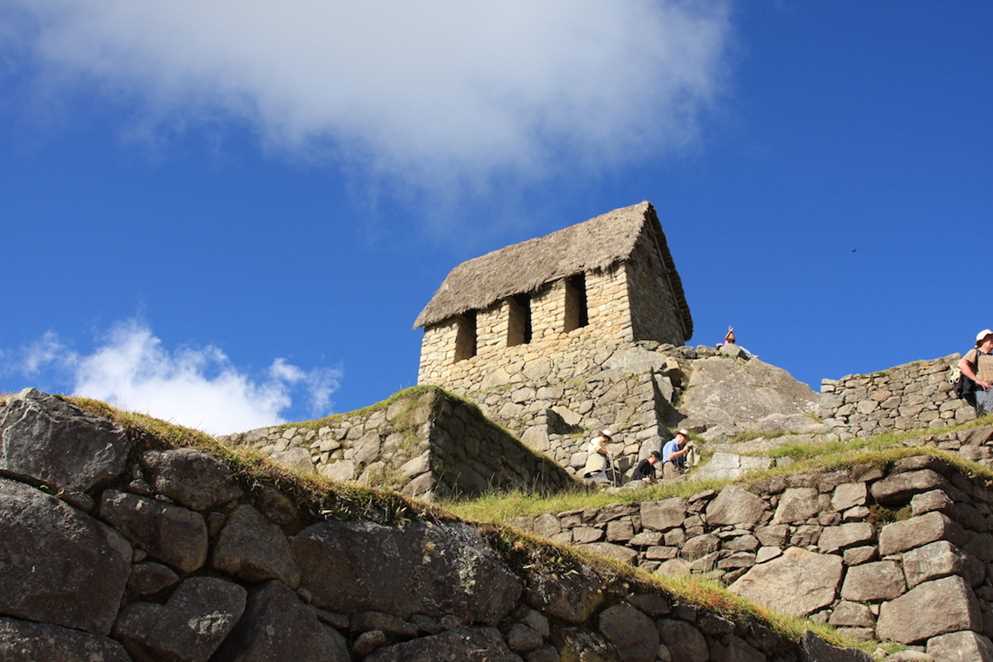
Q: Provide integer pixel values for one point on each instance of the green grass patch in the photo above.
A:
(406, 394)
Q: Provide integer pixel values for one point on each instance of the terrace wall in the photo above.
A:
(424, 443)
(905, 397)
(903, 552)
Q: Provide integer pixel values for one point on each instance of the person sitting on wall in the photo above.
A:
(730, 346)
(977, 365)
(729, 337)
(674, 454)
(645, 471)
(598, 466)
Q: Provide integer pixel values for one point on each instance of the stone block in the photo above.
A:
(930, 609)
(897, 489)
(917, 531)
(882, 580)
(663, 515)
(931, 561)
(961, 647)
(845, 535)
(797, 504)
(849, 495)
(735, 505)
(797, 583)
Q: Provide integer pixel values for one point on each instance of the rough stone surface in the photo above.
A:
(192, 478)
(171, 534)
(277, 626)
(254, 549)
(735, 505)
(433, 570)
(931, 561)
(459, 645)
(899, 488)
(631, 632)
(685, 643)
(917, 531)
(189, 627)
(43, 438)
(663, 515)
(961, 647)
(797, 504)
(818, 650)
(68, 568)
(838, 537)
(932, 608)
(24, 641)
(797, 583)
(149, 577)
(874, 581)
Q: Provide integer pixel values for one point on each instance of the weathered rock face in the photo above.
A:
(797, 583)
(434, 570)
(192, 478)
(24, 641)
(58, 565)
(737, 395)
(171, 534)
(254, 549)
(45, 439)
(277, 626)
(930, 609)
(189, 627)
(461, 645)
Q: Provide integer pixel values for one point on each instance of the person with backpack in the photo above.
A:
(977, 366)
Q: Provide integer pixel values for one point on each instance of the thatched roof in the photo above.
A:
(596, 244)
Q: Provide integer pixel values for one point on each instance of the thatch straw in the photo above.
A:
(596, 244)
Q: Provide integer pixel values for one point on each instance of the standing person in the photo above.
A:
(674, 455)
(977, 365)
(729, 337)
(646, 468)
(598, 461)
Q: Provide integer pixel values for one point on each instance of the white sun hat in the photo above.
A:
(981, 336)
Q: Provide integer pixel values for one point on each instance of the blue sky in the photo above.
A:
(229, 218)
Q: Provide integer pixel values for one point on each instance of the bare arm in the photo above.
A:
(967, 370)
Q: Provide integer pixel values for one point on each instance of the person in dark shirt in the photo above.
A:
(646, 468)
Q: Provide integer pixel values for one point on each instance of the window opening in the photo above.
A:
(465, 336)
(519, 320)
(576, 310)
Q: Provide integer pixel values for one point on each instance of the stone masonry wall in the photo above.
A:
(906, 397)
(609, 321)
(902, 553)
(154, 554)
(654, 313)
(422, 443)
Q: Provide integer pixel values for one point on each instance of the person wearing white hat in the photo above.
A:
(977, 365)
(674, 454)
(598, 461)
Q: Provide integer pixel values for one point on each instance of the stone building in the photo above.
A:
(608, 280)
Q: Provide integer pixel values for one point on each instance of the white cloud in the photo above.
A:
(198, 387)
(446, 90)
(45, 351)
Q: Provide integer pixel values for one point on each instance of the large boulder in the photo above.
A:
(897, 489)
(252, 548)
(737, 395)
(191, 477)
(663, 515)
(797, 583)
(58, 565)
(919, 531)
(818, 650)
(24, 641)
(684, 641)
(868, 582)
(930, 609)
(797, 504)
(45, 439)
(459, 645)
(171, 534)
(277, 626)
(189, 627)
(419, 568)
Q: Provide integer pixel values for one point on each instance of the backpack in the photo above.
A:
(964, 387)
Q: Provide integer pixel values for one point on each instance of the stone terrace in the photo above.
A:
(422, 442)
(901, 552)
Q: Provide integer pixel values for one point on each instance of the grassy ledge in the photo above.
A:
(879, 450)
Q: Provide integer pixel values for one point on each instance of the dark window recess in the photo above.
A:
(519, 320)
(576, 311)
(465, 336)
